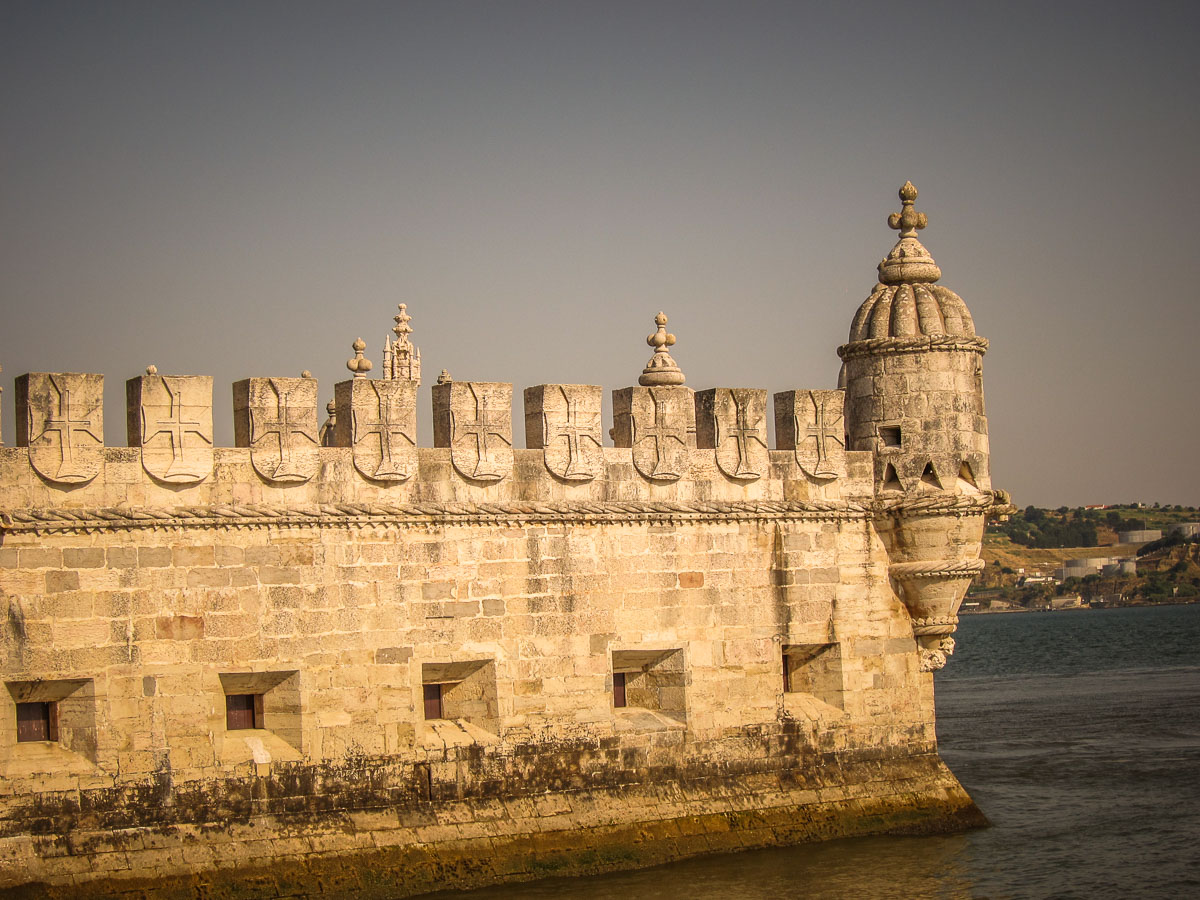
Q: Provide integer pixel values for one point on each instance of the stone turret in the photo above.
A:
(913, 374)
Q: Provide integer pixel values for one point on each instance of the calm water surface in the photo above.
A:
(1076, 732)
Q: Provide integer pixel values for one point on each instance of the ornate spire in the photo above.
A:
(908, 262)
(661, 369)
(401, 360)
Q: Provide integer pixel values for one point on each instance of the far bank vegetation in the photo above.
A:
(1024, 551)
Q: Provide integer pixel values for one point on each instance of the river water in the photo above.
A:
(1076, 732)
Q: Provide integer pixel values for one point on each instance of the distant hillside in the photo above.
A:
(1034, 542)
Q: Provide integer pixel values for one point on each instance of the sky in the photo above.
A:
(242, 189)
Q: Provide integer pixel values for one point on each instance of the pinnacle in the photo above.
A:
(661, 369)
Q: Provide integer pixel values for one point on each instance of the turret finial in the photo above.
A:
(908, 221)
(908, 262)
(662, 369)
(360, 365)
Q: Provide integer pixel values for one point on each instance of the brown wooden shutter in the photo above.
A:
(239, 711)
(33, 722)
(618, 689)
(433, 701)
(258, 711)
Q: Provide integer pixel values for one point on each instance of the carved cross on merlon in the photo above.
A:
(170, 418)
(60, 418)
(563, 421)
(474, 419)
(277, 419)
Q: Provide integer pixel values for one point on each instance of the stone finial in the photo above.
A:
(328, 433)
(306, 374)
(662, 369)
(444, 378)
(908, 262)
(908, 221)
(401, 359)
(360, 365)
(151, 370)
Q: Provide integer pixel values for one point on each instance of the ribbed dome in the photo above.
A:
(906, 303)
(912, 310)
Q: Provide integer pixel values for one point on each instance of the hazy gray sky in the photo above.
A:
(241, 189)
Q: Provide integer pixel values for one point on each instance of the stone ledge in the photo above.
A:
(584, 833)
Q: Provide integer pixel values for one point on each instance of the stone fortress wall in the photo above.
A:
(329, 661)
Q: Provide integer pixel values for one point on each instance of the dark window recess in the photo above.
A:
(243, 711)
(433, 701)
(618, 689)
(37, 722)
(889, 435)
(787, 672)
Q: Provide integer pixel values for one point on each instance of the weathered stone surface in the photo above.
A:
(733, 422)
(812, 424)
(659, 424)
(563, 420)
(60, 418)
(170, 418)
(661, 369)
(492, 668)
(378, 418)
(277, 419)
(474, 419)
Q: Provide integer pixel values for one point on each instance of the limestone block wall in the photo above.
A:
(338, 600)
(917, 406)
(335, 646)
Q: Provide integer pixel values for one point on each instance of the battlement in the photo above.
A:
(671, 443)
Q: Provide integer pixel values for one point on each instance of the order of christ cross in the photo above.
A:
(392, 434)
(575, 430)
(175, 427)
(743, 432)
(285, 428)
(65, 427)
(485, 425)
(660, 433)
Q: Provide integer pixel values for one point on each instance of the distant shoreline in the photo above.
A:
(1183, 601)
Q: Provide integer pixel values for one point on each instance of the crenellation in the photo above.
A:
(486, 647)
(170, 419)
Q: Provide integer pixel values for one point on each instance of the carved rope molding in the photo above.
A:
(877, 346)
(941, 568)
(946, 504)
(332, 515)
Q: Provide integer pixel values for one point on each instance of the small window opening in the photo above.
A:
(650, 679)
(889, 435)
(814, 669)
(966, 475)
(243, 711)
(929, 476)
(463, 691)
(37, 722)
(619, 689)
(433, 701)
(891, 481)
